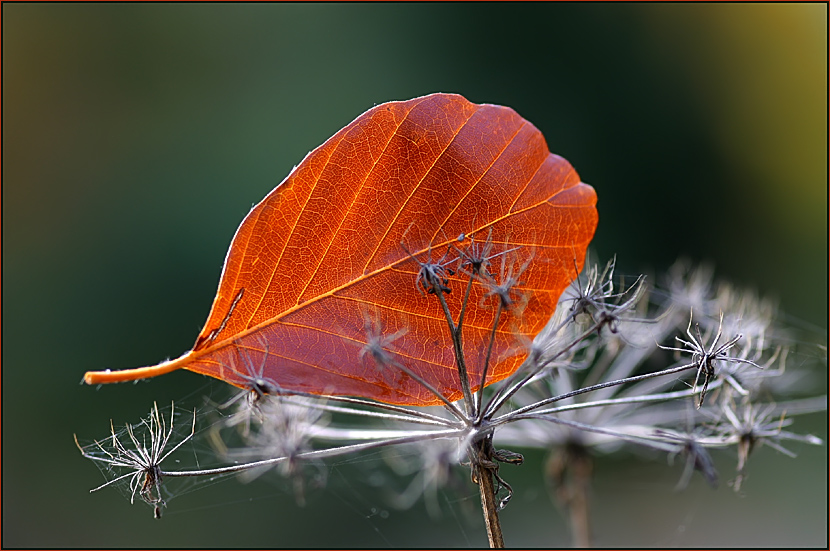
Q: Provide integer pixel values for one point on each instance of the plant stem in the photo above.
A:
(570, 470)
(487, 490)
(579, 505)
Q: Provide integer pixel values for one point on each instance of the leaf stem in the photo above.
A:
(125, 375)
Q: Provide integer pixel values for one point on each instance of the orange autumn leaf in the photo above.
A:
(327, 261)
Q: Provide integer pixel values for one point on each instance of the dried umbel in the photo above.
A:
(140, 456)
(402, 288)
(585, 389)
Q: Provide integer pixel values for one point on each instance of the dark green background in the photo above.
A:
(136, 138)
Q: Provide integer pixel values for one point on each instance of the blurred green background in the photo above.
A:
(137, 137)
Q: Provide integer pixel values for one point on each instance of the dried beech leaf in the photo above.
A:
(320, 266)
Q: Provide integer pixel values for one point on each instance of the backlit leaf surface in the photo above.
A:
(321, 264)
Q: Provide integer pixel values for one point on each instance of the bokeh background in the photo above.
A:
(136, 137)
